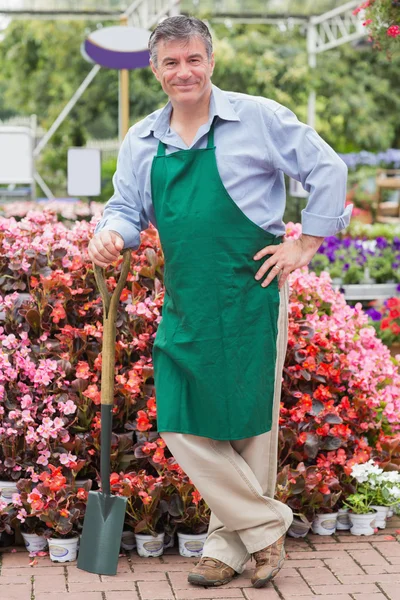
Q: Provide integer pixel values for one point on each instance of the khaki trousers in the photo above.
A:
(237, 478)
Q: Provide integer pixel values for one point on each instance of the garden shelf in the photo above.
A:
(369, 291)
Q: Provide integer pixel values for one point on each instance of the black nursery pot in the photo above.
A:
(7, 539)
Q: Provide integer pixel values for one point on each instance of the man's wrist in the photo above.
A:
(310, 244)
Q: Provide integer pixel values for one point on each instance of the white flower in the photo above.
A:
(363, 472)
(390, 477)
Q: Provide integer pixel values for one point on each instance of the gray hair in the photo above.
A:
(179, 28)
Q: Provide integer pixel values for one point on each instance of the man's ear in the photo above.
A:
(212, 63)
(155, 71)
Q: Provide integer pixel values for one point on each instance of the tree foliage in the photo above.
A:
(358, 97)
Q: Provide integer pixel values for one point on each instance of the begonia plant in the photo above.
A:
(340, 393)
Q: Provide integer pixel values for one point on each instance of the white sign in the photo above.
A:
(84, 172)
(16, 155)
(296, 189)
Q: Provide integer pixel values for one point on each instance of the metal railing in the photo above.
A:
(109, 148)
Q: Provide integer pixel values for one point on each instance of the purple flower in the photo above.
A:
(390, 158)
(374, 314)
(381, 243)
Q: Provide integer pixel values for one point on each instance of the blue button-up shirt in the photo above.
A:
(257, 140)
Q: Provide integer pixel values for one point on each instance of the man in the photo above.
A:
(207, 171)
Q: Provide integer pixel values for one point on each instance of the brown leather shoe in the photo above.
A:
(269, 562)
(211, 572)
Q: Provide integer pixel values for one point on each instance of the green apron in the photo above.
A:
(215, 348)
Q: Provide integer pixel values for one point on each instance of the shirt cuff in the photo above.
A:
(126, 230)
(322, 226)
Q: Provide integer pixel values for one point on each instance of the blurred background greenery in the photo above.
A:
(358, 89)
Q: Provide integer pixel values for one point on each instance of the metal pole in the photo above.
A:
(44, 186)
(67, 109)
(34, 133)
(312, 63)
(123, 96)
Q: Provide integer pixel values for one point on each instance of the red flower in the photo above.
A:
(302, 438)
(82, 494)
(395, 328)
(142, 421)
(393, 302)
(393, 31)
(54, 480)
(322, 393)
(196, 497)
(114, 478)
(158, 455)
(341, 431)
(324, 430)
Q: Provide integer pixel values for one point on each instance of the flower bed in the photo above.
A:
(68, 209)
(358, 260)
(386, 321)
(341, 389)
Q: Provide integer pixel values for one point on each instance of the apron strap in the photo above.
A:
(161, 149)
(210, 141)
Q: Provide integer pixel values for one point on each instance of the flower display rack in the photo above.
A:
(369, 291)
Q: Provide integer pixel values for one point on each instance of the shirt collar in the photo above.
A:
(220, 106)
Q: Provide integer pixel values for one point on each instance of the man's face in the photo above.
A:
(184, 70)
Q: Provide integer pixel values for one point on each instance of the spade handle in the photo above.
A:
(110, 305)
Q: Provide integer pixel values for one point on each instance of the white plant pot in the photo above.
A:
(381, 515)
(324, 524)
(191, 544)
(362, 524)
(343, 520)
(63, 549)
(34, 542)
(7, 489)
(298, 528)
(149, 545)
(128, 541)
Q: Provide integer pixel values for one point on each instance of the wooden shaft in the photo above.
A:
(124, 87)
(110, 307)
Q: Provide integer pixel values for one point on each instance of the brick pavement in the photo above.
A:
(339, 567)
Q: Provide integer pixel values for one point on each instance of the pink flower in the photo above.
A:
(293, 230)
(82, 370)
(67, 408)
(67, 459)
(10, 341)
(21, 514)
(33, 474)
(26, 401)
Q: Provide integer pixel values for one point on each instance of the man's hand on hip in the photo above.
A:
(286, 257)
(105, 247)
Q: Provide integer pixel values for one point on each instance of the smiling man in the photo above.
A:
(208, 171)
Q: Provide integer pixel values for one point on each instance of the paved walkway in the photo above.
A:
(342, 567)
